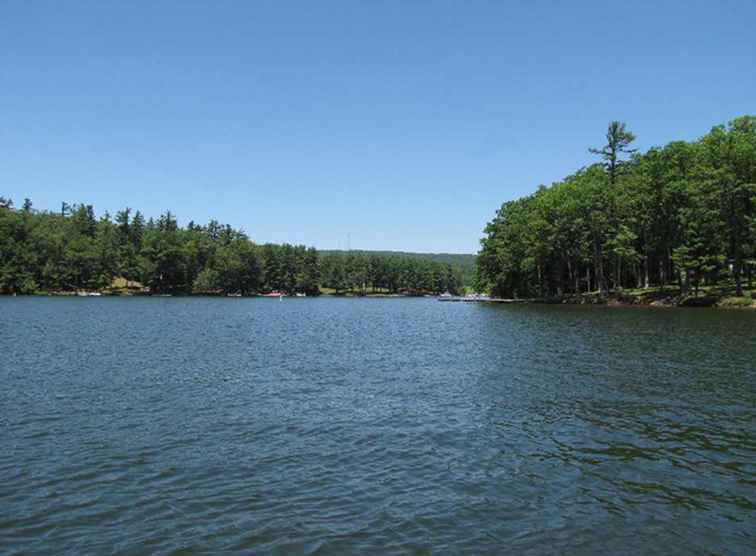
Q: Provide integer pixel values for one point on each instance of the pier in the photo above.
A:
(478, 299)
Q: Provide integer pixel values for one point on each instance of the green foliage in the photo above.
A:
(618, 139)
(463, 264)
(363, 272)
(207, 281)
(71, 250)
(744, 301)
(683, 214)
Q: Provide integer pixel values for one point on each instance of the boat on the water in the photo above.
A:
(274, 294)
(88, 294)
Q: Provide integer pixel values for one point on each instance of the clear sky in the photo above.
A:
(404, 124)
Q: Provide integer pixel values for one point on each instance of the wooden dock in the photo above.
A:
(480, 299)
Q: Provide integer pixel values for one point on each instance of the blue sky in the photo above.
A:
(403, 124)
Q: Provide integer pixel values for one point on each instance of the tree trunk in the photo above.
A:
(599, 271)
(738, 276)
(577, 278)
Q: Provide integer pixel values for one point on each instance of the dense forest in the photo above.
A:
(456, 259)
(365, 272)
(462, 263)
(72, 249)
(682, 215)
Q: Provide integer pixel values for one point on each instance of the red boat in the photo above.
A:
(274, 294)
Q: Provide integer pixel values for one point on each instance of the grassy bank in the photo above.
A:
(722, 296)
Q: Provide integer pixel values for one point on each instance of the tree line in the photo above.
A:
(72, 249)
(462, 263)
(364, 272)
(682, 214)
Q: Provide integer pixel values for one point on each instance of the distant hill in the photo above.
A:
(457, 259)
(465, 262)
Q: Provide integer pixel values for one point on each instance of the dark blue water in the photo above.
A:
(375, 426)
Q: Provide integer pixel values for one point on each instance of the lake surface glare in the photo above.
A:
(374, 426)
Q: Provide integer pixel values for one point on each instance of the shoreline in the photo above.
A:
(107, 293)
(645, 298)
(667, 299)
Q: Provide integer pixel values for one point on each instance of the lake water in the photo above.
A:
(374, 426)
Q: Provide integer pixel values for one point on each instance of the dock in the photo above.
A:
(479, 299)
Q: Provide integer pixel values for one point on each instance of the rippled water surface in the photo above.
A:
(375, 426)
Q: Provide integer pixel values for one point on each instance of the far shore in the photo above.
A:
(124, 293)
(652, 297)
